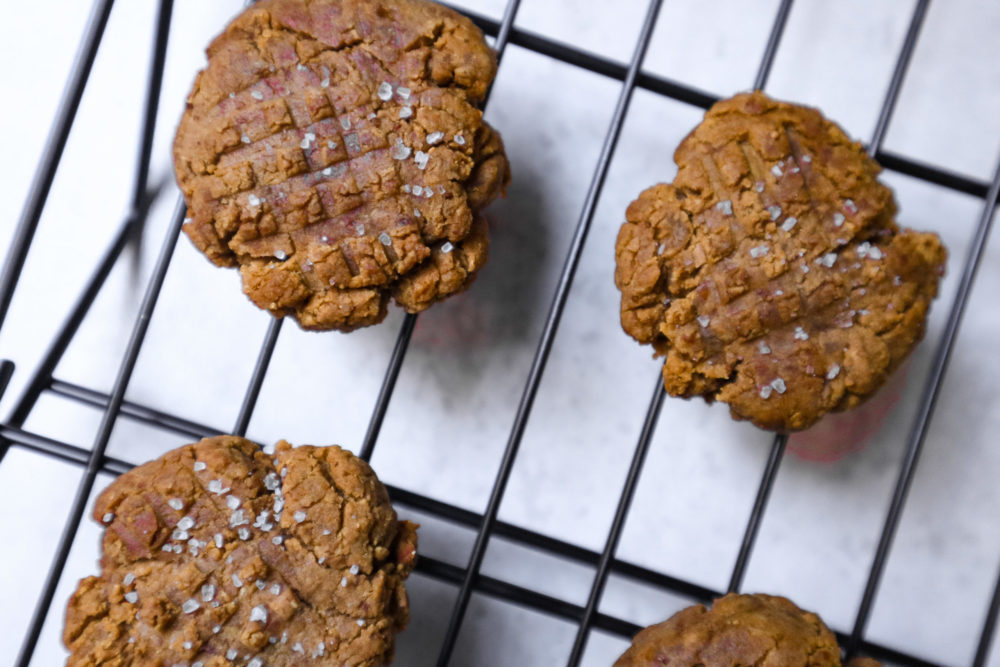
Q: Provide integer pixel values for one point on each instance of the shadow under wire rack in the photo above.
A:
(467, 579)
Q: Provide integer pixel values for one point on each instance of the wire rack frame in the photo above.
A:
(468, 579)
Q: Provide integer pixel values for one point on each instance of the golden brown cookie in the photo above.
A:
(759, 630)
(771, 274)
(334, 150)
(216, 554)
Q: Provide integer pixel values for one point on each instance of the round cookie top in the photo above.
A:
(771, 274)
(334, 151)
(761, 630)
(217, 554)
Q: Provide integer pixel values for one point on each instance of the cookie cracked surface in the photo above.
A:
(771, 274)
(335, 152)
(215, 554)
(738, 630)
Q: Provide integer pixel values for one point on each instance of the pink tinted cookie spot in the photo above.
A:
(841, 433)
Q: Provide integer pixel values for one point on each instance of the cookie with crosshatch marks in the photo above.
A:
(771, 273)
(334, 150)
(761, 630)
(218, 554)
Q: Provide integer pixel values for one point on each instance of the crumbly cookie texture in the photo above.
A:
(334, 151)
(218, 554)
(739, 630)
(771, 274)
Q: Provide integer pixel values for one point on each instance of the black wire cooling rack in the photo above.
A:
(468, 579)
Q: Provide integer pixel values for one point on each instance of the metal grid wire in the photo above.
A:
(468, 579)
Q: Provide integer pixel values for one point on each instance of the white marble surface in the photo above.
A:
(463, 375)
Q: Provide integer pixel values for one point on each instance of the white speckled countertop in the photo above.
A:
(458, 390)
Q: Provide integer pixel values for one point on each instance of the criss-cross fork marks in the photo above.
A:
(213, 555)
(330, 170)
(771, 274)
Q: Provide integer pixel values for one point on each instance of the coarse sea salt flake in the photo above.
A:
(190, 606)
(759, 251)
(176, 503)
(400, 151)
(271, 481)
(838, 219)
(774, 212)
(763, 347)
(434, 137)
(352, 143)
(385, 240)
(776, 170)
(778, 385)
(789, 224)
(765, 392)
(703, 320)
(299, 515)
(447, 247)
(833, 372)
(232, 502)
(800, 334)
(385, 91)
(726, 206)
(421, 159)
(199, 466)
(406, 112)
(257, 95)
(258, 613)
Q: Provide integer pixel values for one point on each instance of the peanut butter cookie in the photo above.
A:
(334, 151)
(739, 630)
(217, 554)
(771, 274)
